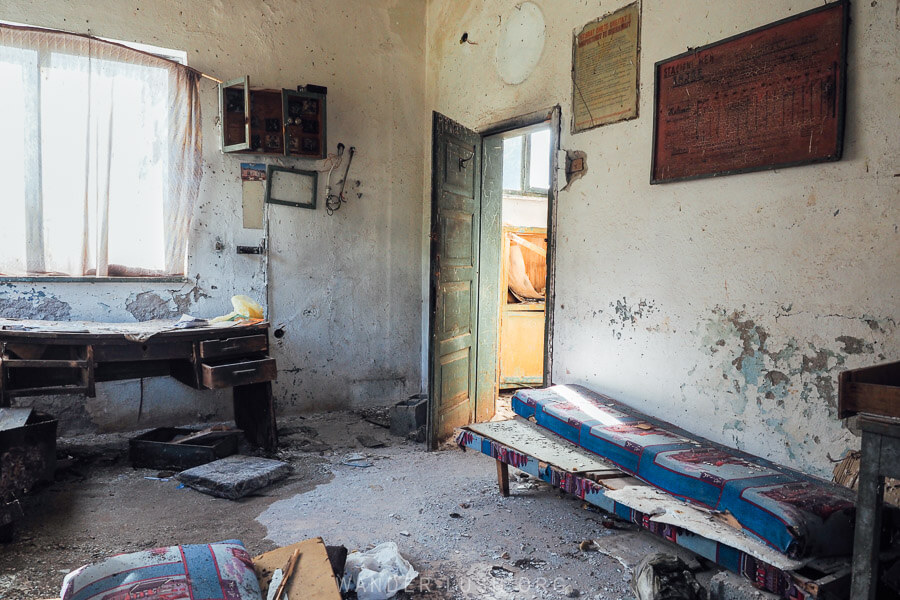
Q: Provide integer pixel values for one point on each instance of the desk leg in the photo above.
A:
(867, 536)
(254, 412)
(4, 401)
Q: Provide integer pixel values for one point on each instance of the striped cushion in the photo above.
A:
(798, 514)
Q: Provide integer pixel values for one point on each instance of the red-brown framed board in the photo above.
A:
(768, 98)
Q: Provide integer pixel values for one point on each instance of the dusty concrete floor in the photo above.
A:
(442, 509)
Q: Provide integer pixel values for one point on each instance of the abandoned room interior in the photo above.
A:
(449, 299)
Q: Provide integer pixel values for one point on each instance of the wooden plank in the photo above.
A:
(46, 391)
(870, 398)
(4, 398)
(885, 373)
(89, 373)
(503, 478)
(18, 363)
(869, 505)
(526, 244)
(10, 418)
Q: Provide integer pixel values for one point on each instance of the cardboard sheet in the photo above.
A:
(671, 511)
(528, 438)
(313, 577)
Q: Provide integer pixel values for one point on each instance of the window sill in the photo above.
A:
(61, 279)
(527, 195)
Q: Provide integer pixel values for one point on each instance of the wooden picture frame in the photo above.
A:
(306, 184)
(769, 98)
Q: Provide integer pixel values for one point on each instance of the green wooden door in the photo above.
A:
(455, 223)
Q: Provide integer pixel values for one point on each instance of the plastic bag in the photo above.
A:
(379, 573)
(245, 308)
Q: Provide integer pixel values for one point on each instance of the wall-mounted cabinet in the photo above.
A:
(273, 122)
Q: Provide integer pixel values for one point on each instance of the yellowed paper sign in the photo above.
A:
(605, 59)
(254, 196)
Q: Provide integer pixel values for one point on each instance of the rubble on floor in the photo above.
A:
(99, 506)
(728, 586)
(665, 577)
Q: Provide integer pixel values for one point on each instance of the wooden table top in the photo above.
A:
(22, 330)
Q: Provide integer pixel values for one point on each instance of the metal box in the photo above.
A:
(157, 450)
(27, 455)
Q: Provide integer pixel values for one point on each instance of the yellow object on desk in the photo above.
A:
(245, 308)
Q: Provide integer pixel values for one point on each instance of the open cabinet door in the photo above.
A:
(455, 226)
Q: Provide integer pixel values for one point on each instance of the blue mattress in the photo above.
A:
(795, 513)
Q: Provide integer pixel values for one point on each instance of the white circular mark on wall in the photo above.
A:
(521, 43)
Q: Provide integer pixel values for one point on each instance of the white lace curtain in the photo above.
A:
(100, 155)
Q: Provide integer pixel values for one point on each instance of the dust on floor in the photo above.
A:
(442, 509)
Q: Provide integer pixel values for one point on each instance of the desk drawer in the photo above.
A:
(238, 373)
(245, 344)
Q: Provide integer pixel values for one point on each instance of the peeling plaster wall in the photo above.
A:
(345, 289)
(726, 305)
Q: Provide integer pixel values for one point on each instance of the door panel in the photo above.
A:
(455, 216)
(489, 250)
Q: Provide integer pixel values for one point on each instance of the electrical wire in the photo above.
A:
(333, 202)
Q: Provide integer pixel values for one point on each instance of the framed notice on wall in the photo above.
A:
(605, 70)
(769, 98)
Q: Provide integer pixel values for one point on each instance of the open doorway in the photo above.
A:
(524, 239)
(526, 184)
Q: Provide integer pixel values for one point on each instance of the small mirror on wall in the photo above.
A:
(291, 187)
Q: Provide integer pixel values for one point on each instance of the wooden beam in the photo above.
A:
(525, 243)
(503, 478)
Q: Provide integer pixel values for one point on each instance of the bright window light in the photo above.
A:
(539, 160)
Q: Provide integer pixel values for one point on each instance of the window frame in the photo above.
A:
(525, 174)
(177, 56)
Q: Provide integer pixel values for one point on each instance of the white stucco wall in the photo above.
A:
(349, 286)
(524, 211)
(726, 305)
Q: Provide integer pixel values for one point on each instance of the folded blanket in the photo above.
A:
(795, 513)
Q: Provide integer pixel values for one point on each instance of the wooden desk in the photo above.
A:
(880, 458)
(874, 394)
(40, 358)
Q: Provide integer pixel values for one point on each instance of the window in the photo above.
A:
(526, 163)
(101, 157)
